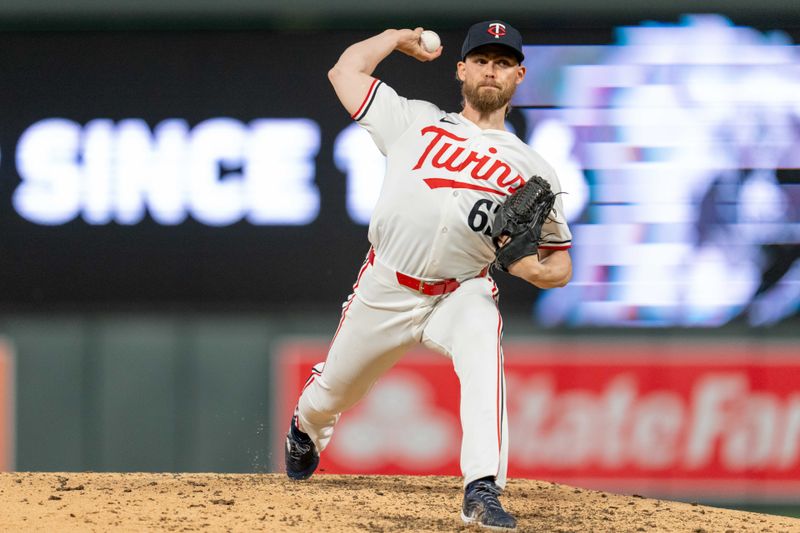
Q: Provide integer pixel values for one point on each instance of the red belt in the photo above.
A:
(431, 288)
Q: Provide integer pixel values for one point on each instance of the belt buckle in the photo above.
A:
(421, 287)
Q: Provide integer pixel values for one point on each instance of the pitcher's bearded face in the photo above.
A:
(489, 76)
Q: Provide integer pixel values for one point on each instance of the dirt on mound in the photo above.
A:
(270, 502)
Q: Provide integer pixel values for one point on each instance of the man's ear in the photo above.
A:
(520, 74)
(460, 70)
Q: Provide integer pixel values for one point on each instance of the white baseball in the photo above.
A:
(430, 41)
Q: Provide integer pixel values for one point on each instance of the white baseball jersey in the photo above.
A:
(445, 179)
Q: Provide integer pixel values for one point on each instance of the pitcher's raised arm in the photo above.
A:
(351, 76)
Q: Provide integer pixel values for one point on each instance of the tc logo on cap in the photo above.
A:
(496, 29)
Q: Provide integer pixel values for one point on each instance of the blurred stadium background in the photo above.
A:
(183, 206)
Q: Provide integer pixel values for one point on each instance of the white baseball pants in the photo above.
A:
(380, 321)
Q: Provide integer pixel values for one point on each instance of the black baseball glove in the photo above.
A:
(520, 219)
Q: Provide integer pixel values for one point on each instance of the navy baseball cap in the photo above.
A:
(493, 32)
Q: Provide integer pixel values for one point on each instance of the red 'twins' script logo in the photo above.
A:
(450, 156)
(496, 29)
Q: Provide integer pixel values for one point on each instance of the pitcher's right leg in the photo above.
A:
(355, 361)
(368, 342)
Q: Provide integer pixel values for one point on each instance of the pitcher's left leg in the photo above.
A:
(468, 327)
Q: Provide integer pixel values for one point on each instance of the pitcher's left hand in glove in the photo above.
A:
(520, 220)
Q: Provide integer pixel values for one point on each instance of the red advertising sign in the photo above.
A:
(6, 407)
(712, 420)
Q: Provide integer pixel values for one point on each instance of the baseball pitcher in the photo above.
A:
(460, 194)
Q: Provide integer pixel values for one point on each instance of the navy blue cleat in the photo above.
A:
(481, 507)
(302, 457)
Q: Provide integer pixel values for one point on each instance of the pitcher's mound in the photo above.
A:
(270, 502)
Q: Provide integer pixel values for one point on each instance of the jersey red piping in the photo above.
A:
(367, 262)
(367, 98)
(499, 392)
(314, 374)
